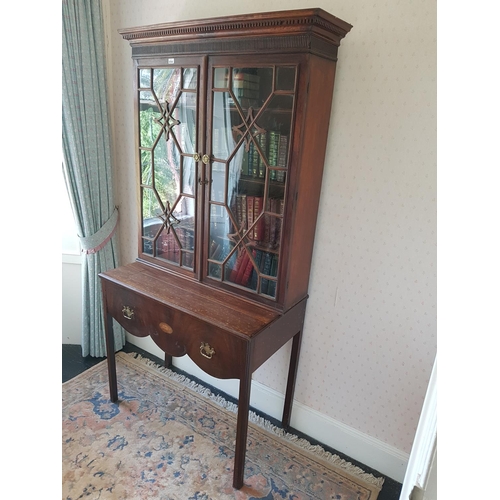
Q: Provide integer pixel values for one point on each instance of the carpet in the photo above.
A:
(169, 438)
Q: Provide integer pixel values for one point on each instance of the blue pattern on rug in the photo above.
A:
(173, 444)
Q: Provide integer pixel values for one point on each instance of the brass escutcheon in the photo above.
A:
(165, 327)
(197, 157)
(205, 159)
(206, 351)
(128, 312)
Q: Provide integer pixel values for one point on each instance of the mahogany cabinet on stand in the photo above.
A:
(231, 118)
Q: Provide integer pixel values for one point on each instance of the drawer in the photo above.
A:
(216, 351)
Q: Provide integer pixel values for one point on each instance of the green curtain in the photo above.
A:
(87, 160)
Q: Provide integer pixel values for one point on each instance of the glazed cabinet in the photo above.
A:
(231, 123)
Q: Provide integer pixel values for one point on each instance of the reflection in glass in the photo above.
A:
(218, 182)
(221, 78)
(252, 86)
(190, 78)
(145, 78)
(167, 142)
(285, 78)
(185, 113)
(151, 227)
(188, 175)
(146, 171)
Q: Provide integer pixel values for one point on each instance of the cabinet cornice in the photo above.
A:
(305, 30)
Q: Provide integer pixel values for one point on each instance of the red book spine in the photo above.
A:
(259, 228)
(243, 267)
(248, 271)
(234, 272)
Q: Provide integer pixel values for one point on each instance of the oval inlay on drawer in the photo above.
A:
(165, 327)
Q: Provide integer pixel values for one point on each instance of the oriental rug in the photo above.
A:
(169, 438)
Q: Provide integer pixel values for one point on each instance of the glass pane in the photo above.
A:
(276, 119)
(252, 86)
(185, 114)
(149, 114)
(285, 78)
(145, 78)
(251, 127)
(176, 242)
(167, 166)
(188, 175)
(167, 247)
(268, 267)
(190, 78)
(221, 78)
(166, 84)
(168, 128)
(241, 268)
(146, 170)
(272, 223)
(219, 243)
(218, 182)
(225, 123)
(150, 229)
(150, 204)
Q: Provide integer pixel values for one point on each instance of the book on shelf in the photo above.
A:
(259, 227)
(272, 231)
(246, 270)
(274, 147)
(241, 264)
(253, 160)
(271, 290)
(272, 156)
(265, 269)
(254, 209)
(262, 140)
(246, 88)
(245, 276)
(282, 157)
(255, 273)
(245, 164)
(241, 211)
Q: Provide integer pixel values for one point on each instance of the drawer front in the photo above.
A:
(216, 351)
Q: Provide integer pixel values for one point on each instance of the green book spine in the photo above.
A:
(262, 138)
(271, 290)
(253, 160)
(266, 269)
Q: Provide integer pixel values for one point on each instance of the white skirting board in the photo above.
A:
(369, 451)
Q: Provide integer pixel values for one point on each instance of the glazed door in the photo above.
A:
(251, 115)
(168, 133)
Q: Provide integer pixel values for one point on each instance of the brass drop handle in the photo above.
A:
(206, 351)
(128, 312)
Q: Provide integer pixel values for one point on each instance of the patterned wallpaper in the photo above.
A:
(370, 332)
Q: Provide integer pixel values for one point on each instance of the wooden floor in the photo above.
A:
(73, 363)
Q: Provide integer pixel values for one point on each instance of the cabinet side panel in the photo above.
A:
(306, 188)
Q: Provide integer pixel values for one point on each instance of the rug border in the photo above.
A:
(300, 445)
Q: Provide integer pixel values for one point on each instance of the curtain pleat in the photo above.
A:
(87, 158)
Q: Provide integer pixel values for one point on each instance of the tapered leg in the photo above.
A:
(292, 376)
(168, 360)
(242, 430)
(110, 353)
